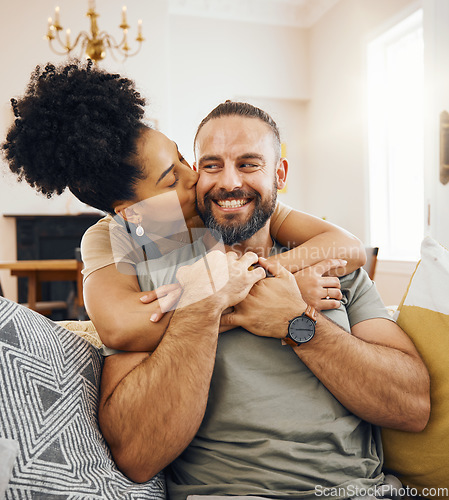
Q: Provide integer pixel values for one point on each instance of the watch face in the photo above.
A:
(301, 329)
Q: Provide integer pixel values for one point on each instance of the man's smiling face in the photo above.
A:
(239, 168)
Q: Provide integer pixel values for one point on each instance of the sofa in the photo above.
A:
(51, 446)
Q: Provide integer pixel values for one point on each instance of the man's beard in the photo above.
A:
(232, 231)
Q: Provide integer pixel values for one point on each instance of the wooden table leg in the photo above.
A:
(32, 291)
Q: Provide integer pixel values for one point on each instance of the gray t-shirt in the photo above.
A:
(271, 428)
(162, 271)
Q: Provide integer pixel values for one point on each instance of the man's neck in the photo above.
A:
(260, 243)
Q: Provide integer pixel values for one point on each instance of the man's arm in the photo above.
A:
(152, 406)
(376, 372)
(149, 416)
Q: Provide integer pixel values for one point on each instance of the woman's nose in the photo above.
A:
(191, 178)
(194, 176)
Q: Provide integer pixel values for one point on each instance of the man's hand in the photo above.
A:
(320, 291)
(222, 278)
(269, 306)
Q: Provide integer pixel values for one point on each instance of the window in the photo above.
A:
(395, 140)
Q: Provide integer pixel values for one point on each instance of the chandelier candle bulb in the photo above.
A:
(67, 39)
(124, 21)
(139, 28)
(49, 36)
(56, 24)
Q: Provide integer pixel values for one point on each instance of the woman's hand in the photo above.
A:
(168, 296)
(321, 292)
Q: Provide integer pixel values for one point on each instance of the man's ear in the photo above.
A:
(126, 211)
(281, 173)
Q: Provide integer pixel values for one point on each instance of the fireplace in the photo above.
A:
(41, 237)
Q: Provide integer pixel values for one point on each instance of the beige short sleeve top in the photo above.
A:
(279, 215)
(106, 242)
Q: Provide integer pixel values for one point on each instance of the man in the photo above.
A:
(281, 420)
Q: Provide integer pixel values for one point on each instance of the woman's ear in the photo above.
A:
(128, 213)
(281, 173)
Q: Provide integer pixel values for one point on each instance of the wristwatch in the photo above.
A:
(302, 328)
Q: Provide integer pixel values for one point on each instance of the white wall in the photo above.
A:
(336, 174)
(436, 53)
(213, 60)
(392, 279)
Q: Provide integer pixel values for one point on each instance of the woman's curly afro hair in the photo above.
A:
(76, 127)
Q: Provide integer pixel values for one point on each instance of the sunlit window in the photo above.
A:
(395, 140)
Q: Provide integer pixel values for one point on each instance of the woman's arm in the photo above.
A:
(122, 319)
(320, 252)
(313, 240)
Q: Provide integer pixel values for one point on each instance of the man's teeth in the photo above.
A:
(232, 203)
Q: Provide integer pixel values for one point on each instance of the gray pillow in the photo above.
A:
(49, 384)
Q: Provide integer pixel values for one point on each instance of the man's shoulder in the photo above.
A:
(357, 278)
(356, 284)
(361, 298)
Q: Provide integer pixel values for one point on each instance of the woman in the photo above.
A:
(82, 128)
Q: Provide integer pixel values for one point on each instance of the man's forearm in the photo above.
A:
(383, 385)
(153, 413)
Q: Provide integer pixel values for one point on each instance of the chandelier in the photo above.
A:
(94, 44)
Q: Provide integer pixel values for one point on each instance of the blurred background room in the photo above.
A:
(358, 88)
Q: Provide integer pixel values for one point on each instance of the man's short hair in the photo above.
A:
(233, 108)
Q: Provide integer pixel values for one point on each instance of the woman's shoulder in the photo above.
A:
(280, 213)
(106, 229)
(101, 226)
(105, 243)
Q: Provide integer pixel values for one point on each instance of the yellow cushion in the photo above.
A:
(421, 460)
